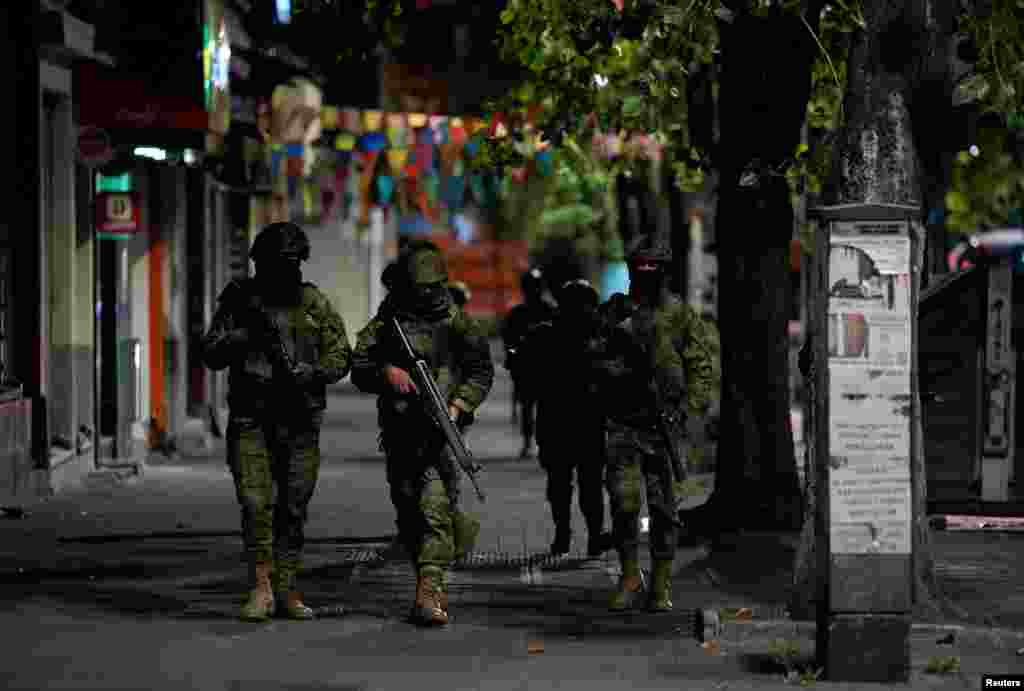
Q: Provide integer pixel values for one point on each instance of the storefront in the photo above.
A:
(146, 213)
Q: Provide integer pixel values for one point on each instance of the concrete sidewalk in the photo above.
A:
(134, 582)
(158, 560)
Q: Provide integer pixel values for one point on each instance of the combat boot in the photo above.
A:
(598, 543)
(430, 608)
(294, 607)
(288, 601)
(661, 587)
(260, 604)
(631, 587)
(563, 540)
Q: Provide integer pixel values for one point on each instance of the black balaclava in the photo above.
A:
(278, 253)
(279, 276)
(577, 307)
(423, 291)
(647, 286)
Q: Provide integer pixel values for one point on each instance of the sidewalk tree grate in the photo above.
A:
(475, 561)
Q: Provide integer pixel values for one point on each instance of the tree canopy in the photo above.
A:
(649, 66)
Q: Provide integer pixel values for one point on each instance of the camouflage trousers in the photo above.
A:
(637, 458)
(275, 464)
(565, 457)
(424, 486)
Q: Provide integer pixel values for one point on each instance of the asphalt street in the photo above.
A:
(134, 584)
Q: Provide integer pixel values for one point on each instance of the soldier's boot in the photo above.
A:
(631, 587)
(661, 587)
(563, 539)
(295, 608)
(288, 600)
(598, 543)
(430, 608)
(260, 604)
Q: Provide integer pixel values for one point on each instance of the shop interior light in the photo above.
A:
(189, 157)
(284, 11)
(151, 152)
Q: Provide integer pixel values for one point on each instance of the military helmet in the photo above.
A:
(460, 292)
(280, 240)
(389, 275)
(578, 292)
(646, 248)
(532, 280)
(423, 262)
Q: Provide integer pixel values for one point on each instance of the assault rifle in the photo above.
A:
(282, 362)
(273, 342)
(435, 406)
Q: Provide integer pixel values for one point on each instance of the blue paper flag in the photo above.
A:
(385, 188)
(374, 141)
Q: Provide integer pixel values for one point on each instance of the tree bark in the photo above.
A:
(764, 86)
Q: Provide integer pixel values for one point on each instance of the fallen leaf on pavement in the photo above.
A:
(712, 647)
(1020, 651)
(946, 640)
(534, 647)
(745, 614)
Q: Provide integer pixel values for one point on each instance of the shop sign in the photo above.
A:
(117, 212)
(217, 67)
(112, 102)
(93, 147)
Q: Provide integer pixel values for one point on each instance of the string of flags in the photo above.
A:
(419, 166)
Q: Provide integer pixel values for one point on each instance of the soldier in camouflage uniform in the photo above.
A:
(570, 425)
(284, 343)
(650, 331)
(518, 322)
(422, 475)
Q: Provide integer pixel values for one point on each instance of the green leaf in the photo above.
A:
(956, 201)
(507, 15)
(973, 88)
(632, 106)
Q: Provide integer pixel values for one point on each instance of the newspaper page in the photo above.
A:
(869, 348)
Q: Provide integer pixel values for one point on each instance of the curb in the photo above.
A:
(780, 627)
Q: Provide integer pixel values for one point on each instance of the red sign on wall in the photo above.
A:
(117, 213)
(114, 102)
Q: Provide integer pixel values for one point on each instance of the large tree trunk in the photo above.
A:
(764, 88)
(876, 162)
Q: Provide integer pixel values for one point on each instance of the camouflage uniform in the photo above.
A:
(421, 473)
(557, 356)
(651, 329)
(518, 322)
(273, 435)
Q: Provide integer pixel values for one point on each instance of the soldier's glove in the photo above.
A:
(460, 417)
(400, 380)
(304, 373)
